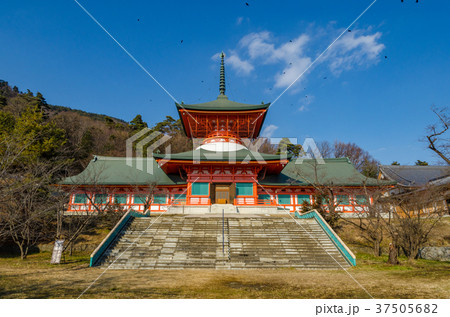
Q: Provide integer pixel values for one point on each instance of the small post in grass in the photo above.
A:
(223, 231)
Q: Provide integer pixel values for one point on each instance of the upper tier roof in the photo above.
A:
(222, 103)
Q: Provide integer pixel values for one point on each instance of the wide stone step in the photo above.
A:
(176, 242)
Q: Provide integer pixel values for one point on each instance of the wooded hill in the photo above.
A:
(82, 134)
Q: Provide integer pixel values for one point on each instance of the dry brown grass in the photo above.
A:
(35, 278)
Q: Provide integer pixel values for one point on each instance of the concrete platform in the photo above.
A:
(228, 208)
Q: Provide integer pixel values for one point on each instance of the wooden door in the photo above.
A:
(212, 193)
(232, 193)
(222, 194)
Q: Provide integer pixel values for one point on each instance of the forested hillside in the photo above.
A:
(80, 134)
(39, 145)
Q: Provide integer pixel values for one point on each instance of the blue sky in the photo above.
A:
(353, 93)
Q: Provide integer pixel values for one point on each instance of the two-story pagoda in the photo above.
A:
(221, 171)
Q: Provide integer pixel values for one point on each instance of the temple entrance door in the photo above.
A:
(222, 194)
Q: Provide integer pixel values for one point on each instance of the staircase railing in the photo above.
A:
(104, 245)
(340, 245)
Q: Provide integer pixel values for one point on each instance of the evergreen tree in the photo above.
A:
(395, 163)
(43, 139)
(421, 163)
(29, 147)
(41, 102)
(169, 126)
(7, 122)
(3, 101)
(86, 144)
(137, 123)
(369, 168)
(286, 146)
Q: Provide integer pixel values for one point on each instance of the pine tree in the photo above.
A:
(3, 101)
(137, 123)
(86, 144)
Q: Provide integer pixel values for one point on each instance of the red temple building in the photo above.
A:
(220, 173)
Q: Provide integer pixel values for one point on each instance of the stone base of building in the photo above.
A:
(226, 208)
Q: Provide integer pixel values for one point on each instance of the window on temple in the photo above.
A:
(303, 198)
(120, 199)
(179, 197)
(361, 199)
(343, 199)
(200, 189)
(159, 199)
(244, 189)
(80, 199)
(264, 199)
(101, 198)
(140, 199)
(284, 199)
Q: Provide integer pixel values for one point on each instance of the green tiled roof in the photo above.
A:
(338, 171)
(222, 104)
(234, 156)
(104, 170)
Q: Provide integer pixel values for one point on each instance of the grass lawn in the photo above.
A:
(36, 278)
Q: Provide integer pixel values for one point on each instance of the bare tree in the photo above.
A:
(414, 216)
(26, 192)
(267, 147)
(360, 158)
(325, 149)
(99, 204)
(436, 139)
(326, 194)
(28, 204)
(368, 218)
(96, 203)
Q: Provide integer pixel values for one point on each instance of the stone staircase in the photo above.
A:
(227, 208)
(195, 241)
